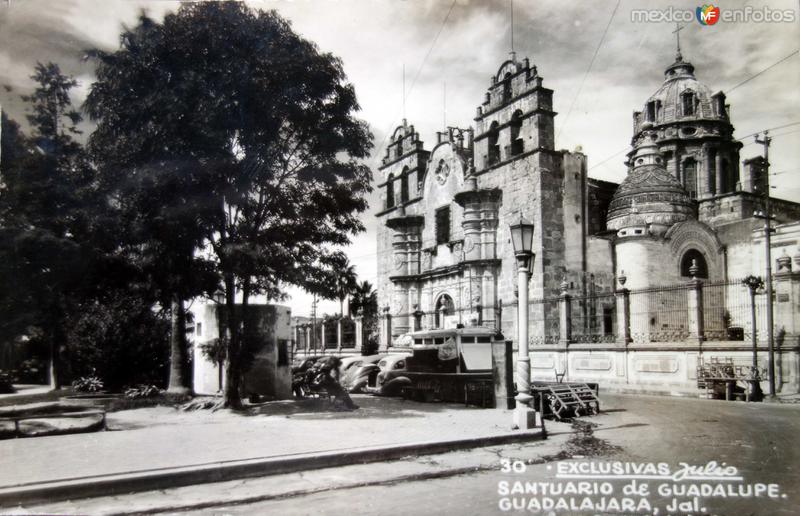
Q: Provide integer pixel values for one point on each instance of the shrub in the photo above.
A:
(142, 391)
(88, 384)
(33, 370)
(5, 383)
(124, 340)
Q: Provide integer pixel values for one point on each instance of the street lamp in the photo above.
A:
(522, 240)
(754, 283)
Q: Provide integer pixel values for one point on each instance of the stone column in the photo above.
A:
(708, 180)
(339, 334)
(720, 171)
(488, 299)
(359, 333)
(564, 315)
(472, 230)
(678, 166)
(787, 306)
(322, 335)
(386, 329)
(623, 316)
(308, 337)
(695, 307)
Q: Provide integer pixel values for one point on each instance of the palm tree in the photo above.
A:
(365, 298)
(345, 284)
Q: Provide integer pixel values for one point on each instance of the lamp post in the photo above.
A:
(522, 240)
(754, 283)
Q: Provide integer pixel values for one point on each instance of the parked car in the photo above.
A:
(391, 376)
(361, 373)
(346, 364)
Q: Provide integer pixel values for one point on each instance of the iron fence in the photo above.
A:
(660, 314)
(593, 318)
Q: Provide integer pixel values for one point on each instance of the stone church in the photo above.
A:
(620, 271)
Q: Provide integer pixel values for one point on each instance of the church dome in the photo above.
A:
(681, 98)
(649, 196)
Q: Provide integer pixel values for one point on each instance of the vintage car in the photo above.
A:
(346, 364)
(361, 373)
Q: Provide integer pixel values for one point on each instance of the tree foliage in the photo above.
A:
(258, 127)
(47, 187)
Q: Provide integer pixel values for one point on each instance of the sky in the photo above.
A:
(601, 63)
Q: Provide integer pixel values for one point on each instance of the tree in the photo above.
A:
(263, 123)
(45, 219)
(345, 283)
(121, 339)
(364, 301)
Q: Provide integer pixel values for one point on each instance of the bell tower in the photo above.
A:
(516, 116)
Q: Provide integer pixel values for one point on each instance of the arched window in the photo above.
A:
(399, 148)
(444, 308)
(687, 103)
(690, 258)
(390, 191)
(517, 144)
(651, 111)
(507, 87)
(494, 147)
(404, 186)
(728, 183)
(690, 177)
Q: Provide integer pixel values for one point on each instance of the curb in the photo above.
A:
(146, 480)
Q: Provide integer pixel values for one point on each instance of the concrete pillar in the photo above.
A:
(359, 332)
(339, 335)
(624, 316)
(565, 318)
(695, 307)
(386, 329)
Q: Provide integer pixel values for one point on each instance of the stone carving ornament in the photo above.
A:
(469, 244)
(442, 171)
(399, 261)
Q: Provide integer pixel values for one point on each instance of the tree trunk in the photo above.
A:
(55, 382)
(179, 374)
(232, 396)
(58, 342)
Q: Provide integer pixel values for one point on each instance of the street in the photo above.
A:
(757, 439)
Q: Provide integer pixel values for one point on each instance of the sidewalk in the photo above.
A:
(154, 440)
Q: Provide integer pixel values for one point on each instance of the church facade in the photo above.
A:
(633, 285)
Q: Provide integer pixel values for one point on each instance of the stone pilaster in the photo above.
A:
(695, 307)
(623, 296)
(359, 332)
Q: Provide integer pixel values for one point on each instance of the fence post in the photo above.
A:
(623, 296)
(564, 315)
(339, 334)
(386, 331)
(359, 332)
(695, 305)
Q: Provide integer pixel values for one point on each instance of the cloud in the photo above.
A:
(376, 38)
